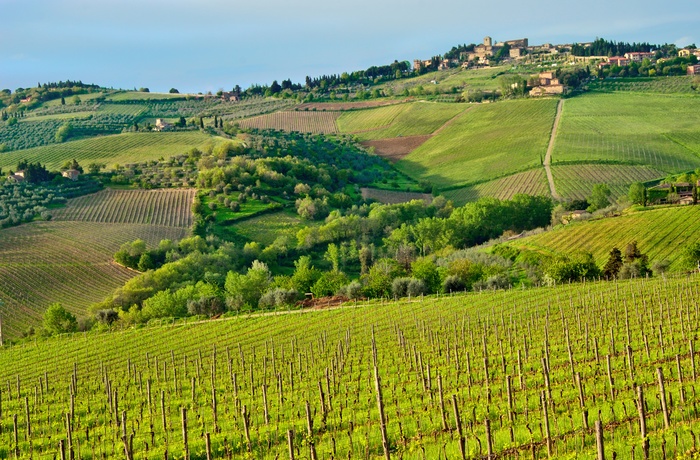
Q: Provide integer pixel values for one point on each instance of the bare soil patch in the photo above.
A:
(396, 148)
(342, 106)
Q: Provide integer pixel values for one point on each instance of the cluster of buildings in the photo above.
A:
(18, 177)
(548, 85)
(483, 53)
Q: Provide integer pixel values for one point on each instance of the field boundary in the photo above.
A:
(550, 148)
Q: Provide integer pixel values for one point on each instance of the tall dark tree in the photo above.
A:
(613, 265)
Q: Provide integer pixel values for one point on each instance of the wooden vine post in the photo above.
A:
(599, 439)
(380, 402)
(642, 422)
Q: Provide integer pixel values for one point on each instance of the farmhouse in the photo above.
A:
(230, 97)
(26, 100)
(619, 61)
(71, 174)
(694, 69)
(638, 56)
(684, 53)
(162, 125)
(15, 178)
(549, 84)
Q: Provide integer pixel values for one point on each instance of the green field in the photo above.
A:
(67, 262)
(517, 370)
(487, 142)
(139, 96)
(661, 234)
(265, 229)
(533, 182)
(58, 116)
(577, 181)
(416, 119)
(637, 128)
(665, 85)
(133, 110)
(119, 149)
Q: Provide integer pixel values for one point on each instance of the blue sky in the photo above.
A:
(207, 45)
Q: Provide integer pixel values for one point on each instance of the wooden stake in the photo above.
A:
(458, 424)
(662, 396)
(599, 439)
(642, 422)
(290, 443)
(186, 448)
(545, 417)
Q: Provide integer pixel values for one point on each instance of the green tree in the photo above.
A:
(638, 194)
(690, 257)
(613, 265)
(174, 91)
(246, 290)
(58, 320)
(600, 197)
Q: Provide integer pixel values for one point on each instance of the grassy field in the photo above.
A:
(488, 369)
(577, 181)
(265, 229)
(646, 129)
(119, 149)
(446, 81)
(416, 119)
(304, 122)
(488, 141)
(140, 96)
(168, 207)
(533, 182)
(57, 116)
(661, 234)
(67, 262)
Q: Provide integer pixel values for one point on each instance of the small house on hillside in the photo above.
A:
(694, 69)
(638, 56)
(26, 100)
(619, 61)
(15, 178)
(71, 174)
(162, 125)
(549, 85)
(684, 53)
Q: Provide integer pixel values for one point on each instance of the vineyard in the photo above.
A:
(660, 233)
(120, 149)
(577, 181)
(420, 118)
(169, 208)
(665, 85)
(303, 122)
(67, 262)
(559, 372)
(533, 182)
(645, 129)
(488, 141)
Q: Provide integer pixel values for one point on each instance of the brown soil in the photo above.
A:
(323, 302)
(339, 106)
(396, 148)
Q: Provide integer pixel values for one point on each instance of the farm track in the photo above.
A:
(550, 148)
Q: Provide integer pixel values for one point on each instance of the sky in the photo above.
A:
(208, 45)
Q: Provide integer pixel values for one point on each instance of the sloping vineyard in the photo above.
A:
(169, 208)
(121, 148)
(518, 374)
(533, 182)
(68, 262)
(577, 181)
(661, 234)
(303, 122)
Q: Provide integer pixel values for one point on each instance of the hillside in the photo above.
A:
(660, 233)
(486, 369)
(70, 259)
